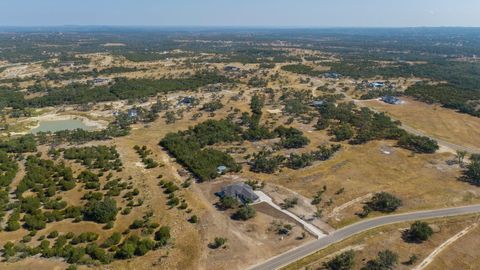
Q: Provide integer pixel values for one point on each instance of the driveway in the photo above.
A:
(309, 227)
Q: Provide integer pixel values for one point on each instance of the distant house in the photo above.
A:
(231, 68)
(98, 81)
(318, 103)
(332, 75)
(186, 101)
(132, 113)
(67, 64)
(376, 84)
(241, 191)
(391, 100)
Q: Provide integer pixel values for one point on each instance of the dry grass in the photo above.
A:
(421, 181)
(461, 254)
(439, 122)
(368, 244)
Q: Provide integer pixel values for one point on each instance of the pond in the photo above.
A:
(57, 125)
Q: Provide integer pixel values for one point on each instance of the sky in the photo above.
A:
(241, 13)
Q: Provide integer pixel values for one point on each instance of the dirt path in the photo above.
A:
(443, 246)
(336, 210)
(17, 179)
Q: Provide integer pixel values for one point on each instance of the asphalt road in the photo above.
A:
(343, 233)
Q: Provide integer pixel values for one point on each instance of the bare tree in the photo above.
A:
(461, 157)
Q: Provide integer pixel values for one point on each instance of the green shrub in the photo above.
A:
(101, 211)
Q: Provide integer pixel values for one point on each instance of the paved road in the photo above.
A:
(341, 234)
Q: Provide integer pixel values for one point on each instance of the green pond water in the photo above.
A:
(57, 125)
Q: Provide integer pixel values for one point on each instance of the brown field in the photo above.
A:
(366, 246)
(461, 254)
(421, 181)
(434, 120)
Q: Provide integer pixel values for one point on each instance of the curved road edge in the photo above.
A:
(311, 247)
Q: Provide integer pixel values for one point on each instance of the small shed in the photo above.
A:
(241, 191)
(222, 169)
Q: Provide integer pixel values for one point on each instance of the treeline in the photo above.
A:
(302, 69)
(8, 169)
(95, 157)
(265, 162)
(152, 56)
(92, 73)
(72, 94)
(462, 75)
(188, 147)
(122, 89)
(254, 55)
(465, 101)
(23, 144)
(139, 88)
(358, 126)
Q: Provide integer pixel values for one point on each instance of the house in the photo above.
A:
(231, 68)
(391, 100)
(332, 75)
(318, 103)
(188, 101)
(132, 113)
(376, 84)
(67, 64)
(241, 191)
(98, 81)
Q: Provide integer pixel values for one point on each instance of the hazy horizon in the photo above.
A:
(245, 14)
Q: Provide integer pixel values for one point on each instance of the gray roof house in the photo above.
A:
(318, 103)
(231, 68)
(391, 100)
(332, 75)
(241, 191)
(376, 84)
(132, 113)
